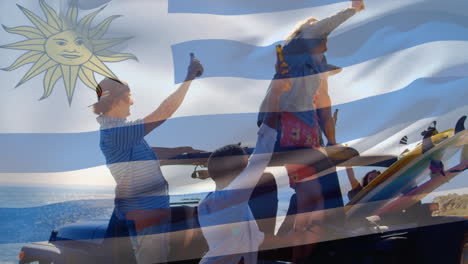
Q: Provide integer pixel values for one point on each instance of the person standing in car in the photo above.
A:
(141, 194)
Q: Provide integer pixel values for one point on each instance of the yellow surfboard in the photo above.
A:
(397, 166)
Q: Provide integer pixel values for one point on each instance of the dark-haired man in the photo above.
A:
(226, 219)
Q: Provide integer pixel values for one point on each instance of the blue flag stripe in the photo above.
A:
(396, 28)
(241, 7)
(419, 10)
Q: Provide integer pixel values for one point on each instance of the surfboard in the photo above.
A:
(403, 174)
(417, 194)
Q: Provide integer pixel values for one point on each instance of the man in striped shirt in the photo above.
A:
(141, 194)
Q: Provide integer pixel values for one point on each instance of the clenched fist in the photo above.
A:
(358, 5)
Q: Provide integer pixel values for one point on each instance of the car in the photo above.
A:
(386, 223)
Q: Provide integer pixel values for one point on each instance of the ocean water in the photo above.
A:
(30, 213)
(31, 196)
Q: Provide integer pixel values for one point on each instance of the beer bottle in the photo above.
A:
(281, 66)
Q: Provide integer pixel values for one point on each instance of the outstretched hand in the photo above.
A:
(195, 69)
(358, 5)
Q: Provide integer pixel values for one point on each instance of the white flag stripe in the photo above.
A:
(179, 179)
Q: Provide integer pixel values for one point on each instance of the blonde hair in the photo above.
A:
(300, 27)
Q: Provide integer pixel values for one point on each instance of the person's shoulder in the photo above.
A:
(267, 179)
(205, 205)
(139, 121)
(207, 199)
(112, 122)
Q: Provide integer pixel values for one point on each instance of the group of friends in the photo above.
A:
(295, 113)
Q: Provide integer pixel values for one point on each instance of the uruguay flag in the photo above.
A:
(404, 66)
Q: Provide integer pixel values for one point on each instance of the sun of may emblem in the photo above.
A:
(63, 47)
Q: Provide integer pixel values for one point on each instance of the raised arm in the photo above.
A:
(173, 101)
(322, 28)
(352, 178)
(355, 185)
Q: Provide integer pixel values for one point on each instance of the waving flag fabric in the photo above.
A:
(391, 65)
(405, 65)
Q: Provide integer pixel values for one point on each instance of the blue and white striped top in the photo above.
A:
(133, 164)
